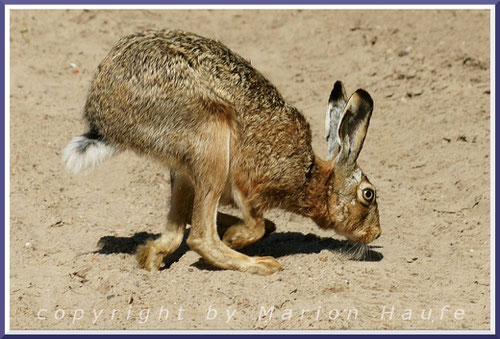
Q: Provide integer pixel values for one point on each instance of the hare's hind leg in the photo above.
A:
(210, 174)
(152, 254)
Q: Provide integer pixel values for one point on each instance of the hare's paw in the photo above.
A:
(150, 256)
(239, 236)
(264, 266)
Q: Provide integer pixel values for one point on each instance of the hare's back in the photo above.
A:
(173, 62)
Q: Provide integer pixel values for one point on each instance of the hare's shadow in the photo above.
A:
(274, 244)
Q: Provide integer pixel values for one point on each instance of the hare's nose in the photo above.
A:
(378, 235)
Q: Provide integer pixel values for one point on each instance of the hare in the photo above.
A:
(227, 136)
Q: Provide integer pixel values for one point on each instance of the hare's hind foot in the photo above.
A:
(204, 240)
(221, 256)
(151, 255)
(264, 266)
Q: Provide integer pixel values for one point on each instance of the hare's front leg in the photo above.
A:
(247, 232)
(237, 233)
(211, 172)
(152, 254)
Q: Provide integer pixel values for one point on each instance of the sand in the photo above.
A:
(427, 151)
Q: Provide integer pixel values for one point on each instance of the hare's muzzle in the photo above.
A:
(372, 234)
(367, 236)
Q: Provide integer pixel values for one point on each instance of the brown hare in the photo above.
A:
(227, 136)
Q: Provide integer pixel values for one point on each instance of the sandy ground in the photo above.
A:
(72, 238)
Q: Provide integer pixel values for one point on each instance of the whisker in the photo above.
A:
(354, 251)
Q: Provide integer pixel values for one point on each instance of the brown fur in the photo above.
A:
(226, 134)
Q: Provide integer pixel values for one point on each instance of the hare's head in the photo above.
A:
(352, 199)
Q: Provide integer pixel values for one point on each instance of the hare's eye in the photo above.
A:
(368, 194)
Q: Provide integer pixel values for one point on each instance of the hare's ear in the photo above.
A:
(336, 106)
(353, 126)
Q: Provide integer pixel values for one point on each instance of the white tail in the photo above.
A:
(84, 154)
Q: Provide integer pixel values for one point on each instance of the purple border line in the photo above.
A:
(250, 2)
(497, 92)
(2, 172)
(202, 2)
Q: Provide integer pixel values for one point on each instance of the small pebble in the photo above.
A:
(410, 260)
